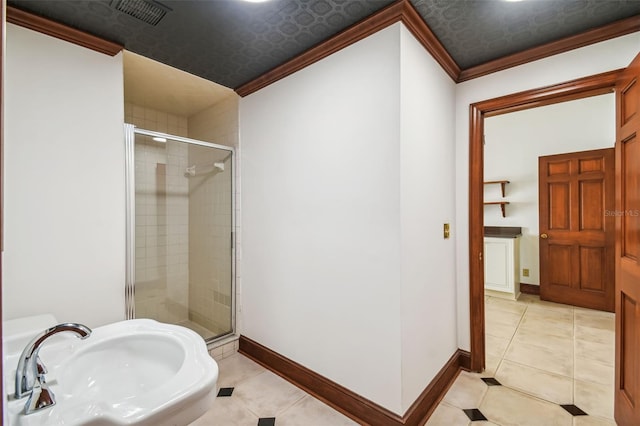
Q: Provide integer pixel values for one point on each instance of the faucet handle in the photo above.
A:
(41, 397)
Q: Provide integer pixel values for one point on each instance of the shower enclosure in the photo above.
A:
(180, 242)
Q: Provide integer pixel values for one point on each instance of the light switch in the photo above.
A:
(446, 231)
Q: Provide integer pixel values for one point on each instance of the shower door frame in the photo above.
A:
(130, 192)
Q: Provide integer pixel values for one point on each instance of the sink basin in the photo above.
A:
(136, 372)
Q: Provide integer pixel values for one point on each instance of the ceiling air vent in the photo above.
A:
(150, 12)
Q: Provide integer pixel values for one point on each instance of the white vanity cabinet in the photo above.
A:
(501, 266)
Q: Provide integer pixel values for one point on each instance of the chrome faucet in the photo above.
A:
(30, 371)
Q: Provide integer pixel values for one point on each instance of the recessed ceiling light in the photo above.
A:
(256, 1)
(157, 139)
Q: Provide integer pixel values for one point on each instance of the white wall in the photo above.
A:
(427, 202)
(513, 143)
(321, 214)
(605, 56)
(64, 181)
(348, 177)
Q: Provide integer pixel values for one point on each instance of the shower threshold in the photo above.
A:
(207, 334)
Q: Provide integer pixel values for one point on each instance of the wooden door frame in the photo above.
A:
(571, 90)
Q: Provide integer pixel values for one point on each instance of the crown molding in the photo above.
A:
(382, 19)
(399, 11)
(61, 31)
(596, 35)
(421, 31)
(403, 11)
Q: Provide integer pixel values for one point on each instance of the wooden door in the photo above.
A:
(577, 228)
(627, 292)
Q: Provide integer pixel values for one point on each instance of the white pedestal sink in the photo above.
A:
(136, 372)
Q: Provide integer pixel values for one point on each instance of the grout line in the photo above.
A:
(512, 337)
(280, 413)
(495, 373)
(298, 402)
(539, 369)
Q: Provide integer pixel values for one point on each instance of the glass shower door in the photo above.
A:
(181, 227)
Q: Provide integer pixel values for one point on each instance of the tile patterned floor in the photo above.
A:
(250, 395)
(547, 364)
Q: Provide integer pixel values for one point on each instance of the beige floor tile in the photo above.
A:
(548, 326)
(538, 383)
(495, 345)
(543, 345)
(592, 421)
(538, 337)
(466, 392)
(589, 370)
(594, 399)
(501, 330)
(595, 319)
(502, 317)
(601, 352)
(513, 306)
(593, 334)
(446, 415)
(541, 358)
(602, 323)
(504, 406)
(267, 394)
(310, 411)
(536, 303)
(235, 369)
(491, 365)
(228, 412)
(553, 344)
(557, 314)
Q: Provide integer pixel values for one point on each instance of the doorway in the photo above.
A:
(533, 348)
(576, 89)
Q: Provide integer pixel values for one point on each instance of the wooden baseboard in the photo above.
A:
(349, 403)
(530, 289)
(426, 403)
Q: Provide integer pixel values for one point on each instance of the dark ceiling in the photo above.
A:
(231, 42)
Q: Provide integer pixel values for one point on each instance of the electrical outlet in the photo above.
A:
(525, 272)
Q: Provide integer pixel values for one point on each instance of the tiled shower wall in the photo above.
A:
(211, 208)
(210, 239)
(162, 220)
